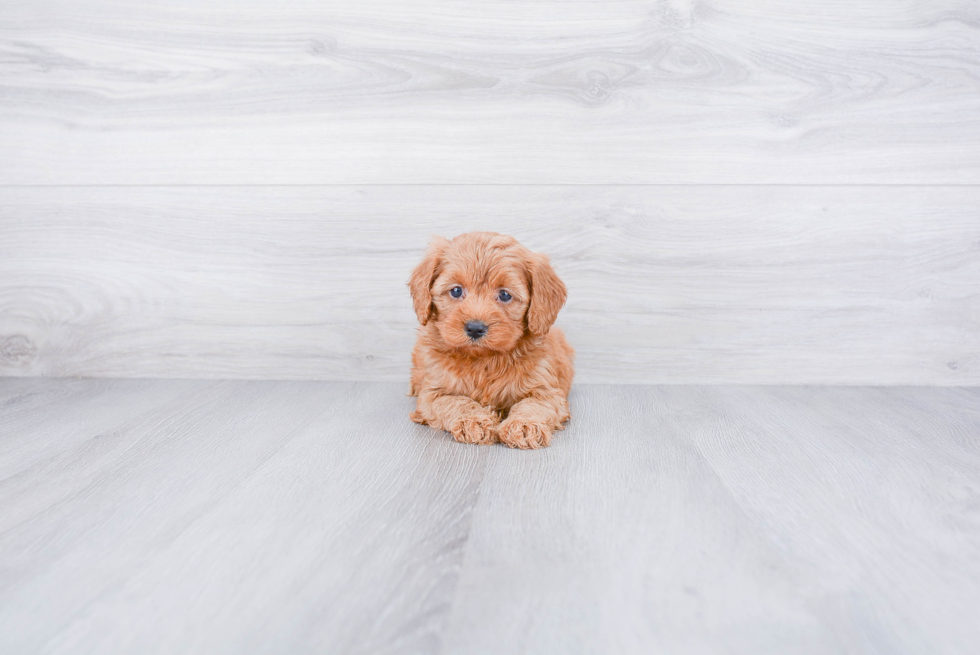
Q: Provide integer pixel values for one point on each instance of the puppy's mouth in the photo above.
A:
(476, 338)
(480, 345)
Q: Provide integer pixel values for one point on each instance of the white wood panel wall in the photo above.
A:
(239, 189)
(667, 284)
(512, 91)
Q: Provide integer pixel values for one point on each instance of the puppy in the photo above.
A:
(488, 365)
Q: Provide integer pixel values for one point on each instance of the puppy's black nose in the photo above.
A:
(475, 329)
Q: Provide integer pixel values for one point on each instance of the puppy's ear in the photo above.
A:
(547, 295)
(420, 284)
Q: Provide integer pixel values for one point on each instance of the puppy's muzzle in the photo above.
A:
(475, 329)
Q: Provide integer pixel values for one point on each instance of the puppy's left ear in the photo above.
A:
(547, 295)
(420, 283)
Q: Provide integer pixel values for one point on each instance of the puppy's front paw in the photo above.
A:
(521, 433)
(474, 428)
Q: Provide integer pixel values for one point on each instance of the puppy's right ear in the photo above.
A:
(420, 284)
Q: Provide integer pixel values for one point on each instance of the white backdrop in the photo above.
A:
(778, 192)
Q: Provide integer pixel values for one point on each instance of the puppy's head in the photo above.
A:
(484, 292)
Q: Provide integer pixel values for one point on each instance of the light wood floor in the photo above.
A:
(289, 517)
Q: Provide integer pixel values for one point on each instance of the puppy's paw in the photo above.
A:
(474, 428)
(521, 433)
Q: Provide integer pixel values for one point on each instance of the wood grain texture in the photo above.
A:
(623, 540)
(260, 517)
(743, 520)
(804, 462)
(301, 517)
(852, 285)
(542, 91)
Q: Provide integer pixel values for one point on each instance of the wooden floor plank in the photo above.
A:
(620, 538)
(864, 495)
(264, 510)
(57, 416)
(303, 517)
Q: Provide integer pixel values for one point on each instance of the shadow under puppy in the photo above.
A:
(488, 365)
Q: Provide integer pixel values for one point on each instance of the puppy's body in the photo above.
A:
(488, 365)
(495, 380)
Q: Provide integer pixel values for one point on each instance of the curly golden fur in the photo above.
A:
(509, 383)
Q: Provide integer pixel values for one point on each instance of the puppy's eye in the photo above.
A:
(504, 296)
(456, 292)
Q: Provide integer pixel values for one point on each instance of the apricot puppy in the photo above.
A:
(488, 365)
